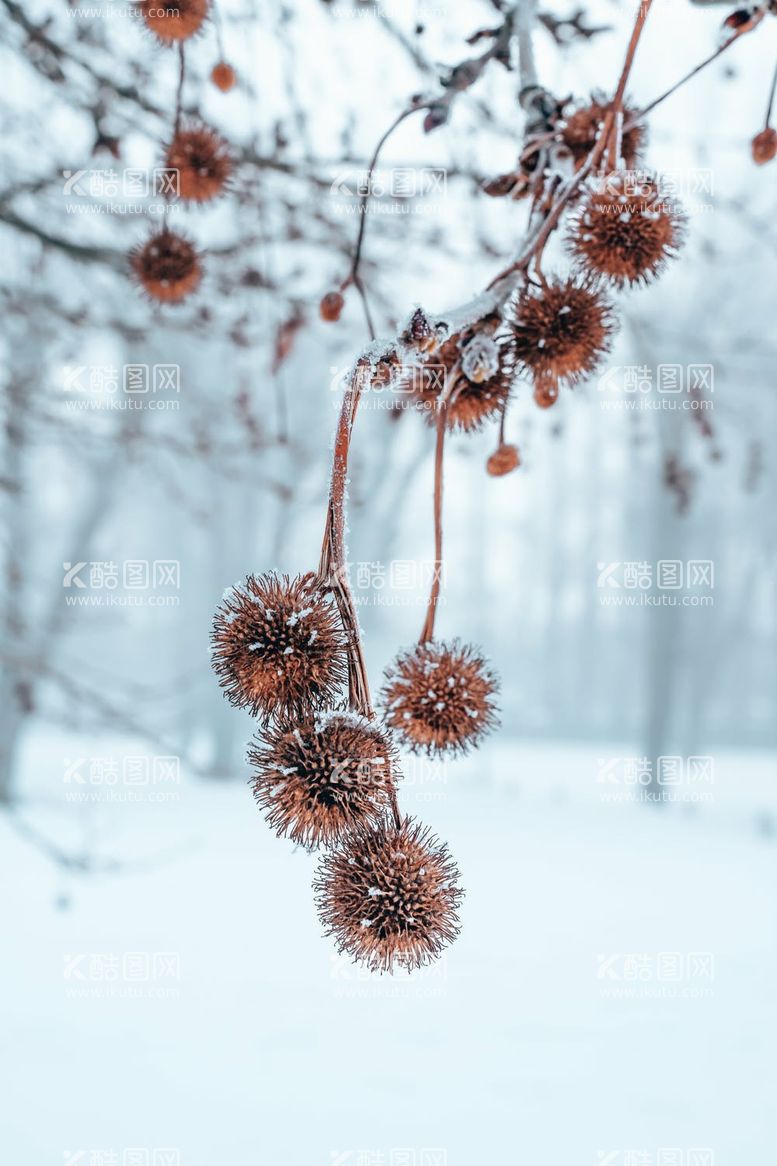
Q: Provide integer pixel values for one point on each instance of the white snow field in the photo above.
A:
(610, 999)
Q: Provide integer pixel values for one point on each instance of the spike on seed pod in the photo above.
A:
(166, 266)
(764, 146)
(626, 231)
(579, 129)
(320, 777)
(558, 332)
(223, 76)
(331, 306)
(201, 158)
(503, 461)
(278, 646)
(390, 896)
(173, 21)
(440, 698)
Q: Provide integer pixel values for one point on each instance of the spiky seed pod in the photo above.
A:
(480, 386)
(167, 266)
(626, 231)
(201, 157)
(172, 21)
(579, 129)
(503, 461)
(440, 698)
(322, 776)
(764, 146)
(331, 306)
(278, 646)
(559, 332)
(223, 76)
(390, 896)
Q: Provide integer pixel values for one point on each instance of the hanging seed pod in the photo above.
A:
(389, 896)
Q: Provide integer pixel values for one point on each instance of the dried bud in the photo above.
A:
(419, 333)
(390, 896)
(320, 777)
(331, 306)
(436, 116)
(503, 461)
(439, 698)
(546, 393)
(172, 21)
(501, 186)
(559, 332)
(201, 158)
(764, 146)
(223, 76)
(278, 646)
(626, 230)
(166, 266)
(743, 19)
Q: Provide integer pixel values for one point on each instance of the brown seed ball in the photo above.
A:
(278, 646)
(580, 128)
(503, 461)
(481, 384)
(167, 266)
(439, 698)
(331, 306)
(172, 21)
(764, 146)
(560, 331)
(223, 76)
(322, 776)
(390, 896)
(202, 160)
(626, 229)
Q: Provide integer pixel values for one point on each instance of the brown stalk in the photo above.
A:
(333, 569)
(427, 631)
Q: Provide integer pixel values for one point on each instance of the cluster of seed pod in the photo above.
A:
(167, 264)
(622, 228)
(325, 775)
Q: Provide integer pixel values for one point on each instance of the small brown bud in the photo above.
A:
(764, 146)
(503, 461)
(223, 76)
(546, 394)
(331, 306)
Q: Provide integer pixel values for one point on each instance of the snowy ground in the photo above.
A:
(561, 1028)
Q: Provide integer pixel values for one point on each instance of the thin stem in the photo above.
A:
(638, 117)
(770, 103)
(179, 93)
(427, 632)
(353, 276)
